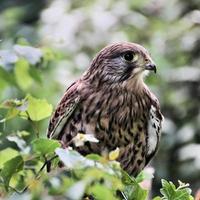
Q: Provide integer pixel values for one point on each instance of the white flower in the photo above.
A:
(81, 138)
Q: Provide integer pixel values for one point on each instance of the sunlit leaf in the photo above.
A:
(7, 154)
(101, 192)
(45, 146)
(95, 157)
(157, 198)
(38, 109)
(11, 167)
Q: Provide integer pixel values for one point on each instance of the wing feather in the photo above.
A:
(64, 110)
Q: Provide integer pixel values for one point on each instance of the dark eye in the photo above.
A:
(128, 56)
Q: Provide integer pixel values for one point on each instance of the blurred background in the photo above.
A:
(66, 34)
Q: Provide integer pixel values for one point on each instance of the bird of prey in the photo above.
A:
(111, 102)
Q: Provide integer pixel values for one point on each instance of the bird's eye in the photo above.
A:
(128, 56)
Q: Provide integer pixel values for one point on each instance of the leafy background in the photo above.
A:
(45, 45)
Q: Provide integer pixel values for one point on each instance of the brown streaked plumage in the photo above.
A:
(112, 102)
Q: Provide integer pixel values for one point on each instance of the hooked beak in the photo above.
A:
(151, 66)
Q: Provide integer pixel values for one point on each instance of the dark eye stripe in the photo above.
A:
(127, 73)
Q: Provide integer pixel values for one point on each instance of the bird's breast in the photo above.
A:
(115, 121)
(122, 121)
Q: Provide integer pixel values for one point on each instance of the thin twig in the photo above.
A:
(46, 163)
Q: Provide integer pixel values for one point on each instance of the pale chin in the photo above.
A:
(141, 73)
(145, 73)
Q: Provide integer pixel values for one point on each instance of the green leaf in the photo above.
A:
(45, 146)
(138, 193)
(94, 157)
(23, 78)
(133, 190)
(170, 192)
(10, 168)
(7, 154)
(157, 198)
(168, 189)
(127, 180)
(38, 109)
(101, 192)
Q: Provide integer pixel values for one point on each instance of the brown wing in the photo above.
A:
(64, 110)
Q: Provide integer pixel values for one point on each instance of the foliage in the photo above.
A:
(81, 177)
(45, 45)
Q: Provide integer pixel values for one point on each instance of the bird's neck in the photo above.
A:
(135, 85)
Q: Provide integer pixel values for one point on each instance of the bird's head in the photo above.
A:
(121, 63)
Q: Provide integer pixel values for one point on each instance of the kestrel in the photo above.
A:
(111, 102)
